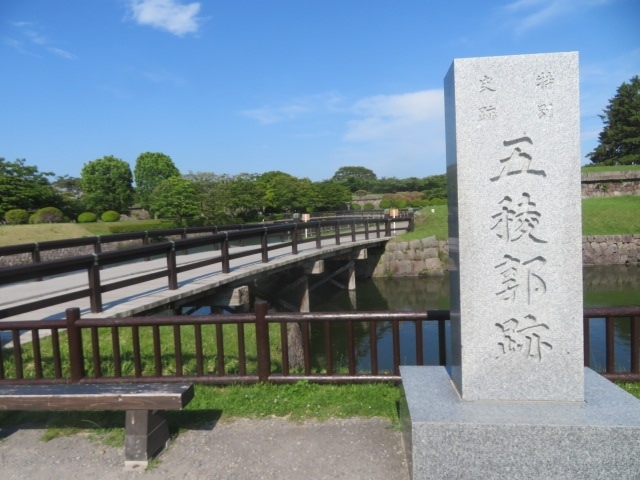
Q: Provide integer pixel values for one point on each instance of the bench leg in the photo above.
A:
(146, 433)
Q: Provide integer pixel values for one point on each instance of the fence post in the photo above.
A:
(318, 234)
(294, 240)
(95, 294)
(387, 227)
(442, 343)
(74, 338)
(225, 254)
(411, 225)
(353, 230)
(262, 340)
(145, 242)
(171, 267)
(35, 257)
(337, 233)
(264, 245)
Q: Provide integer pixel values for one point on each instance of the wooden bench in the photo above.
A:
(146, 429)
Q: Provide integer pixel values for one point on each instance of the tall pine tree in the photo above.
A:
(620, 138)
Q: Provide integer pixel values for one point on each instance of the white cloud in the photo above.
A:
(395, 116)
(396, 135)
(530, 14)
(311, 104)
(169, 15)
(37, 41)
(62, 53)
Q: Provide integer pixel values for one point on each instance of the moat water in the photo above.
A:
(603, 286)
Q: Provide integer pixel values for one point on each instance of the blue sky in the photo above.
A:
(301, 86)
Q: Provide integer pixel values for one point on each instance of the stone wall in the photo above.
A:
(429, 256)
(610, 184)
(611, 249)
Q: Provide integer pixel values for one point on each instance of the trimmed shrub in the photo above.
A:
(369, 206)
(87, 217)
(110, 216)
(438, 201)
(384, 203)
(17, 216)
(356, 206)
(47, 215)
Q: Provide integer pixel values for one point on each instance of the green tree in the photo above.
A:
(150, 170)
(620, 138)
(331, 196)
(435, 186)
(107, 185)
(70, 188)
(175, 197)
(23, 187)
(286, 193)
(355, 178)
(245, 195)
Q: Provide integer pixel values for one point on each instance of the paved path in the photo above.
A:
(351, 449)
(142, 297)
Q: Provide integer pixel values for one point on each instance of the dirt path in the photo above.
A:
(241, 449)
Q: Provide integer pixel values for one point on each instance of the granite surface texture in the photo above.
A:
(513, 164)
(455, 439)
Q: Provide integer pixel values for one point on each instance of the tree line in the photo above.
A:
(108, 186)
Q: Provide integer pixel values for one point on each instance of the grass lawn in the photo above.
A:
(611, 216)
(18, 234)
(600, 216)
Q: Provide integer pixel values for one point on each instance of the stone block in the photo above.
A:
(433, 264)
(429, 242)
(431, 252)
(446, 437)
(513, 168)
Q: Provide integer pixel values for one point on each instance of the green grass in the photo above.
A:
(611, 216)
(19, 234)
(600, 216)
(632, 387)
(296, 402)
(429, 221)
(604, 168)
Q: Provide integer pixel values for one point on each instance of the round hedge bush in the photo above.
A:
(355, 206)
(17, 216)
(47, 215)
(110, 216)
(369, 206)
(87, 217)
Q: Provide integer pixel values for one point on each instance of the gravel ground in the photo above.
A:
(274, 448)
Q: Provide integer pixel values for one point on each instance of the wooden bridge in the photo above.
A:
(213, 266)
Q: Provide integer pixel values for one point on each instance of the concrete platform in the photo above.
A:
(447, 438)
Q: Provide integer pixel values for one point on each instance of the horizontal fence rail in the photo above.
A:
(248, 348)
(289, 234)
(121, 240)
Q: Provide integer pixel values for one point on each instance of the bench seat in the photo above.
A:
(146, 429)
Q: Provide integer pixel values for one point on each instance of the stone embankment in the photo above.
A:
(427, 256)
(430, 256)
(610, 184)
(611, 249)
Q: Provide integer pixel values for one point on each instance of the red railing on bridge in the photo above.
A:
(244, 348)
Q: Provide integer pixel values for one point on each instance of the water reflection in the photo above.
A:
(603, 286)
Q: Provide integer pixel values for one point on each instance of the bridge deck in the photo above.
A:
(139, 298)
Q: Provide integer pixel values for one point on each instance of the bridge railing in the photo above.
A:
(338, 347)
(290, 235)
(98, 244)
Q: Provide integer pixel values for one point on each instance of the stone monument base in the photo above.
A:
(448, 438)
